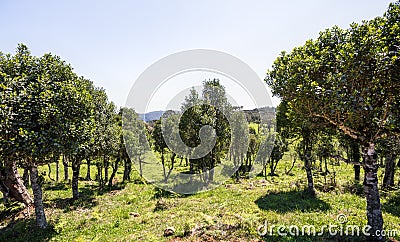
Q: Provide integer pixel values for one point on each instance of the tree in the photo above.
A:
(281, 136)
(389, 148)
(240, 141)
(212, 111)
(348, 80)
(41, 99)
(166, 125)
(159, 144)
(135, 137)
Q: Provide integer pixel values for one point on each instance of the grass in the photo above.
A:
(137, 211)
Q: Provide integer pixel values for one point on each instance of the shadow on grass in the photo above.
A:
(55, 186)
(354, 187)
(11, 210)
(87, 196)
(392, 205)
(284, 202)
(161, 193)
(25, 230)
(87, 199)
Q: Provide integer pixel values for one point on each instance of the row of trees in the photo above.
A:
(48, 112)
(228, 140)
(347, 81)
(48, 115)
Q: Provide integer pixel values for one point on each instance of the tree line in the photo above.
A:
(49, 114)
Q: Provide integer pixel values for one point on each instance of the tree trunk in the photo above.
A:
(25, 177)
(388, 179)
(88, 170)
(49, 167)
(38, 199)
(140, 165)
(57, 169)
(172, 166)
(76, 165)
(265, 169)
(114, 172)
(106, 165)
(308, 160)
(310, 181)
(127, 169)
(211, 171)
(326, 165)
(163, 165)
(100, 175)
(355, 153)
(374, 212)
(357, 170)
(13, 184)
(65, 164)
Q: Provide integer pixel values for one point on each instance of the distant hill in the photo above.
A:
(251, 115)
(147, 117)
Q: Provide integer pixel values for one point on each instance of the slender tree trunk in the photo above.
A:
(57, 169)
(38, 199)
(172, 166)
(65, 164)
(388, 179)
(163, 165)
(88, 170)
(106, 165)
(265, 168)
(374, 212)
(48, 174)
(237, 166)
(211, 172)
(326, 165)
(273, 165)
(308, 161)
(127, 169)
(140, 165)
(100, 175)
(76, 165)
(357, 170)
(355, 152)
(294, 162)
(114, 172)
(13, 184)
(25, 177)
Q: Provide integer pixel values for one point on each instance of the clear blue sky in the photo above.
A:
(112, 42)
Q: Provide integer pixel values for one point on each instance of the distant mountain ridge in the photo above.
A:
(251, 115)
(150, 116)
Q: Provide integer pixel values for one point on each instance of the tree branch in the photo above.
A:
(350, 132)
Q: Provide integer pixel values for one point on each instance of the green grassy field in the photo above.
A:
(137, 211)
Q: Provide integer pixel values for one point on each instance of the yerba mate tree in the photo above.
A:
(349, 80)
(45, 108)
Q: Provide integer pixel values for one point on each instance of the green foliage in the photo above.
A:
(212, 110)
(346, 78)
